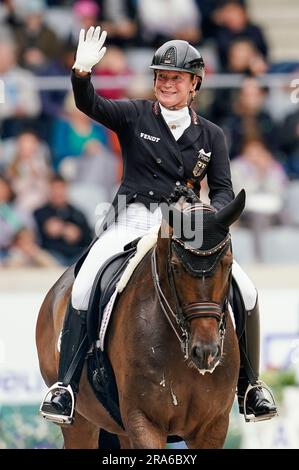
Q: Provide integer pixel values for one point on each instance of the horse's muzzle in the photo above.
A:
(206, 356)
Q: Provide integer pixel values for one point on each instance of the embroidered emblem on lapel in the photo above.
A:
(203, 159)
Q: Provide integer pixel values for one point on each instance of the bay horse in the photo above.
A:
(172, 343)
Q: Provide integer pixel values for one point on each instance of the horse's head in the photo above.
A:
(198, 275)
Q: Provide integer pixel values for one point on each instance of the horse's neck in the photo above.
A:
(165, 299)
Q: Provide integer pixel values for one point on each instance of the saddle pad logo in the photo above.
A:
(203, 159)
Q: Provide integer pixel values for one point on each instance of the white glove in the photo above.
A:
(90, 50)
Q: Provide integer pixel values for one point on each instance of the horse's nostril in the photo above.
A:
(196, 354)
(204, 354)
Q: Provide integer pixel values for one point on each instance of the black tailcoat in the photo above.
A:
(154, 163)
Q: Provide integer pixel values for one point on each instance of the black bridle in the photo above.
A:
(180, 318)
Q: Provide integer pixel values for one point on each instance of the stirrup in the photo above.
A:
(251, 418)
(56, 417)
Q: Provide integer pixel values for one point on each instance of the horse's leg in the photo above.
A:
(125, 442)
(211, 436)
(142, 433)
(82, 434)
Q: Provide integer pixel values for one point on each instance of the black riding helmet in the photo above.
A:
(181, 56)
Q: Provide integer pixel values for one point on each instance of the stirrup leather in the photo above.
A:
(58, 418)
(251, 418)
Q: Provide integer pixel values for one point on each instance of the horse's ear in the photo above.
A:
(232, 211)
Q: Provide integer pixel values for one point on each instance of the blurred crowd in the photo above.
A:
(56, 164)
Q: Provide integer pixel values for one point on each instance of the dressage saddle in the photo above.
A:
(104, 285)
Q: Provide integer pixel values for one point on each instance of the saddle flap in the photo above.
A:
(103, 287)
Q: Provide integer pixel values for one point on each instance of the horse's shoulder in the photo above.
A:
(65, 281)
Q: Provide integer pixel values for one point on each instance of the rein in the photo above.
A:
(180, 319)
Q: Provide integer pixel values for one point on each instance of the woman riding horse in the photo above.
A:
(164, 144)
(169, 324)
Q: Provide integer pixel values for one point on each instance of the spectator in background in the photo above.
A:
(97, 167)
(86, 13)
(52, 100)
(22, 102)
(289, 144)
(93, 178)
(118, 18)
(29, 171)
(243, 58)
(209, 25)
(63, 229)
(114, 65)
(233, 23)
(25, 252)
(37, 43)
(257, 171)
(71, 133)
(249, 118)
(264, 181)
(169, 19)
(284, 95)
(11, 218)
(10, 17)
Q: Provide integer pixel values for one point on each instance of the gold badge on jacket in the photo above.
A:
(203, 159)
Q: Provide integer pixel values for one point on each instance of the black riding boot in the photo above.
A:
(59, 402)
(256, 403)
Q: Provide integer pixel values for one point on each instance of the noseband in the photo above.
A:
(181, 318)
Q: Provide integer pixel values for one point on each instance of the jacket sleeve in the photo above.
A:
(114, 114)
(219, 174)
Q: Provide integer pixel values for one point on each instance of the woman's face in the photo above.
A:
(172, 89)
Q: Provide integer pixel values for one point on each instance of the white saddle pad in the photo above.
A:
(143, 246)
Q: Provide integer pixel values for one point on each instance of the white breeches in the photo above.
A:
(135, 222)
(132, 223)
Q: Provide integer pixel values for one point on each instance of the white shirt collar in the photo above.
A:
(177, 120)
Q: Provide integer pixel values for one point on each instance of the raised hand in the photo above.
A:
(90, 49)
